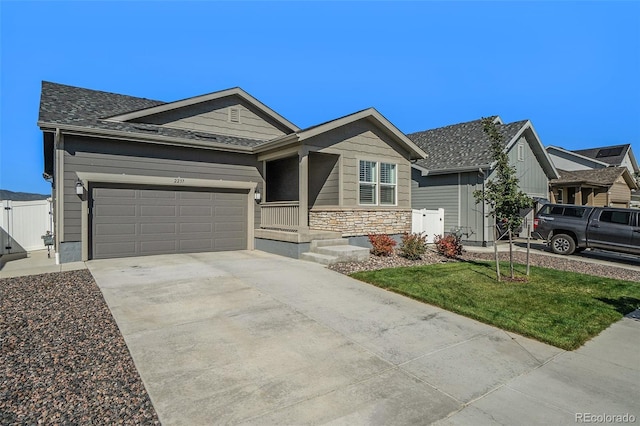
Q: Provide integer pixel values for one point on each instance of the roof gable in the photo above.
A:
(370, 114)
(577, 161)
(598, 177)
(188, 104)
(466, 146)
(83, 111)
(614, 155)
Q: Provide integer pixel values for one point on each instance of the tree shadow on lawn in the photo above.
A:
(623, 305)
(489, 270)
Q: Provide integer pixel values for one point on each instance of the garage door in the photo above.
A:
(146, 221)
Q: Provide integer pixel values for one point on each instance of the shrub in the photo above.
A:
(381, 244)
(413, 246)
(448, 246)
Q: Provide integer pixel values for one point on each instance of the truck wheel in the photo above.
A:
(563, 244)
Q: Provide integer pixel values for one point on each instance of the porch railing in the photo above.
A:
(280, 215)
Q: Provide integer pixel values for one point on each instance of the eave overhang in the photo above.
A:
(138, 137)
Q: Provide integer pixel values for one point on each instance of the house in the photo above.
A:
(221, 171)
(610, 186)
(459, 162)
(599, 158)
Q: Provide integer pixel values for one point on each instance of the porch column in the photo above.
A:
(303, 190)
(578, 197)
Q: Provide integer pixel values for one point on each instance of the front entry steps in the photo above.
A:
(328, 252)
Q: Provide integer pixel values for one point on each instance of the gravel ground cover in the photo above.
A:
(566, 263)
(62, 357)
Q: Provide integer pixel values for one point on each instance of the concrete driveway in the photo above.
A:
(254, 338)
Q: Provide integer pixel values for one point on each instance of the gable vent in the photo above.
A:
(234, 115)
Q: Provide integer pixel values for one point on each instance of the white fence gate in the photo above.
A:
(430, 222)
(22, 225)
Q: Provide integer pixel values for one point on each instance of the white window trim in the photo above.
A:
(378, 184)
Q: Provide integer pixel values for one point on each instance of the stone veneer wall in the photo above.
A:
(351, 222)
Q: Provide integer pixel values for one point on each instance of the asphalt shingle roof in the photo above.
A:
(600, 153)
(460, 145)
(69, 105)
(600, 177)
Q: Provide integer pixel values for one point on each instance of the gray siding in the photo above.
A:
(118, 157)
(434, 192)
(569, 162)
(453, 193)
(324, 180)
(471, 213)
(533, 180)
(213, 117)
(362, 140)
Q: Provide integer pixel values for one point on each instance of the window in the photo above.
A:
(378, 182)
(560, 197)
(613, 216)
(563, 211)
(520, 152)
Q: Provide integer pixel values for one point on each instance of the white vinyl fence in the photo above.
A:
(429, 222)
(22, 225)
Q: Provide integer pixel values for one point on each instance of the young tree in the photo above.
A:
(502, 194)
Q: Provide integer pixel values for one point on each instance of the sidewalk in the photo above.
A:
(598, 257)
(35, 263)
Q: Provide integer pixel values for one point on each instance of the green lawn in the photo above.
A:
(564, 309)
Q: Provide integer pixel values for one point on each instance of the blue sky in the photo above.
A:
(572, 68)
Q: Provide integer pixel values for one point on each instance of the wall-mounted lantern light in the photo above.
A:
(257, 196)
(79, 188)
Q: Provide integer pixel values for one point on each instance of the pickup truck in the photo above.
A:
(570, 228)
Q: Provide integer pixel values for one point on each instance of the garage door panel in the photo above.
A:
(153, 194)
(114, 210)
(196, 245)
(107, 249)
(229, 226)
(158, 247)
(203, 211)
(190, 228)
(229, 211)
(196, 196)
(117, 193)
(222, 244)
(157, 228)
(151, 211)
(115, 229)
(157, 221)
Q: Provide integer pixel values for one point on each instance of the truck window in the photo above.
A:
(612, 216)
(557, 210)
(574, 211)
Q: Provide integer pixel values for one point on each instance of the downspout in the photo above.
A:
(484, 219)
(58, 179)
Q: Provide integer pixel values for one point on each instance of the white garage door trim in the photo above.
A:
(87, 178)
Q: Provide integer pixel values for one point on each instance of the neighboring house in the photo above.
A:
(599, 158)
(459, 162)
(610, 186)
(222, 171)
